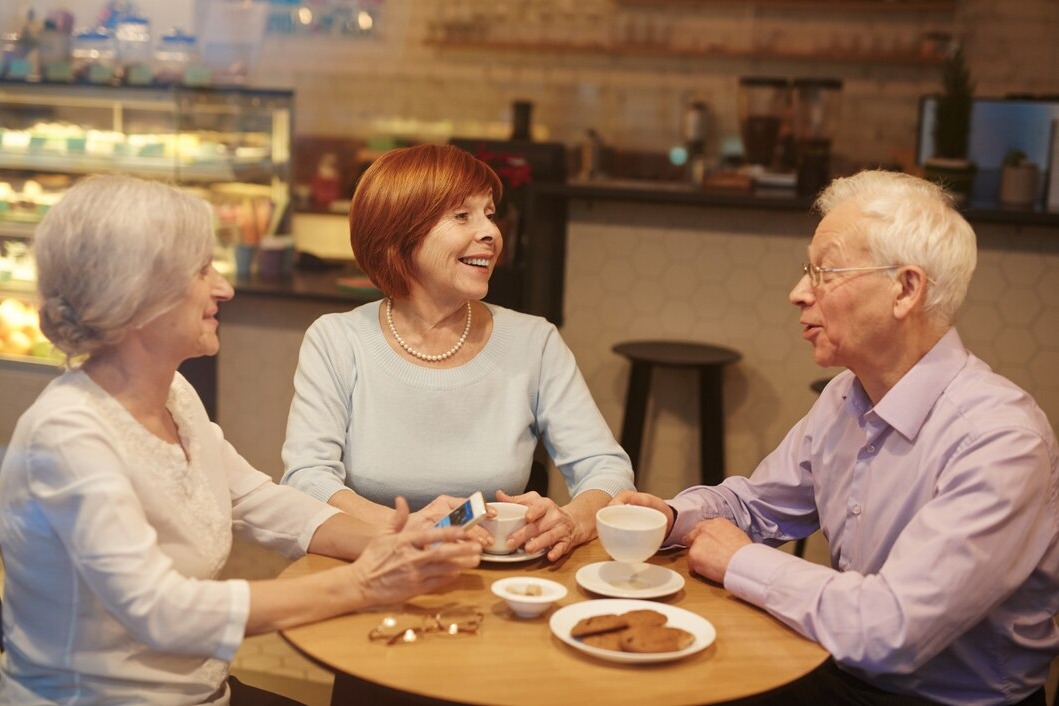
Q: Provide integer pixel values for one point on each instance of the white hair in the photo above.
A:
(113, 254)
(911, 221)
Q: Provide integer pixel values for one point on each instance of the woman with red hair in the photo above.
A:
(431, 391)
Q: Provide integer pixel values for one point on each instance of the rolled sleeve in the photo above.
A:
(691, 507)
(238, 615)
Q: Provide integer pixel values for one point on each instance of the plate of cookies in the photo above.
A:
(633, 631)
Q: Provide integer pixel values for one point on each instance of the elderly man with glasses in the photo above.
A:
(934, 479)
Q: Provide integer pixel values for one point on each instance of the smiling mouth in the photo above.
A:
(475, 261)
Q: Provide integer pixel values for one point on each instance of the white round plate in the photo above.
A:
(564, 619)
(515, 556)
(617, 580)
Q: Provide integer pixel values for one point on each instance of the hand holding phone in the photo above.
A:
(467, 515)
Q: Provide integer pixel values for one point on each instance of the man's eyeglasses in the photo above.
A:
(816, 274)
(397, 629)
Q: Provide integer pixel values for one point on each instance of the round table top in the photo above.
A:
(519, 662)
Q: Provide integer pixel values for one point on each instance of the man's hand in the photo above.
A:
(713, 543)
(634, 497)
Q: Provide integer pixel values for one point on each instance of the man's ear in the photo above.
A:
(911, 289)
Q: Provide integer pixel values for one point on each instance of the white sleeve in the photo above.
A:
(279, 517)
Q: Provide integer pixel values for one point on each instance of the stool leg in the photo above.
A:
(635, 413)
(711, 426)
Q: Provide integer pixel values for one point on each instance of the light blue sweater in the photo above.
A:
(365, 418)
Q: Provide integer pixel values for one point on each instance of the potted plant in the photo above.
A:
(1018, 179)
(952, 126)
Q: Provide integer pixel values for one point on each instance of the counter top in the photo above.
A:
(768, 199)
(318, 285)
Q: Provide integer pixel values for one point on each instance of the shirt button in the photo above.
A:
(854, 509)
(870, 449)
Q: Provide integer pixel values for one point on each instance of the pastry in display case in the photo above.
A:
(229, 145)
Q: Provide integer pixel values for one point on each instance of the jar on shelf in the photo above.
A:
(175, 53)
(94, 55)
(135, 50)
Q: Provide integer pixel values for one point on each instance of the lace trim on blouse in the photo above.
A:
(183, 481)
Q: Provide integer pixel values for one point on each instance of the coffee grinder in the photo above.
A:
(762, 103)
(816, 112)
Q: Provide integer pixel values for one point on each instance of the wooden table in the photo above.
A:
(517, 662)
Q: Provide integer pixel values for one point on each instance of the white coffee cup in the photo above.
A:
(630, 533)
(509, 518)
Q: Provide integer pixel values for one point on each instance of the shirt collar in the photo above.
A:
(908, 403)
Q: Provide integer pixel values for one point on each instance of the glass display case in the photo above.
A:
(230, 145)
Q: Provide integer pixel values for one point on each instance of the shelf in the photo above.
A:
(828, 5)
(17, 227)
(147, 167)
(657, 50)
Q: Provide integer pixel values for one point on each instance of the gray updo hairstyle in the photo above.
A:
(113, 254)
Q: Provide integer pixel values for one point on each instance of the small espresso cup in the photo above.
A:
(509, 518)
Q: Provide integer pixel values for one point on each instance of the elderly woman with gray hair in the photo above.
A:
(118, 497)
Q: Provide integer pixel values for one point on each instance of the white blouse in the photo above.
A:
(111, 538)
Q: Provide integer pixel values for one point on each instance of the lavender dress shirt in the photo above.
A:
(940, 508)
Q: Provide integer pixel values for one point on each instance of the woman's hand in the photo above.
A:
(548, 525)
(402, 562)
(440, 507)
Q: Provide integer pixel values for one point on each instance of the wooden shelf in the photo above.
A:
(830, 5)
(657, 50)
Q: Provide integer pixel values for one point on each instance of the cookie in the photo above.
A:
(655, 639)
(598, 623)
(605, 640)
(644, 618)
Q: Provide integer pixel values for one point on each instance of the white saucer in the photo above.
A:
(564, 619)
(515, 556)
(612, 578)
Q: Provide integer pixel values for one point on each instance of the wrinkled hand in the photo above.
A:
(402, 563)
(635, 497)
(547, 525)
(439, 507)
(713, 543)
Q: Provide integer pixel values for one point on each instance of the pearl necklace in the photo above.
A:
(423, 356)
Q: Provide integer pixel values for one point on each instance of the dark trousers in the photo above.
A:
(245, 695)
(830, 685)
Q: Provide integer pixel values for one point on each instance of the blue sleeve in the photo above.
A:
(574, 431)
(320, 412)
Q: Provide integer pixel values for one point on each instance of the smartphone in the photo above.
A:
(466, 515)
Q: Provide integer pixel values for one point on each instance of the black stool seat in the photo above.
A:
(708, 360)
(819, 384)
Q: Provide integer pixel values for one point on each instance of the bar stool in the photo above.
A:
(709, 361)
(819, 384)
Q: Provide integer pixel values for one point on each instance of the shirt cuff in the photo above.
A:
(238, 615)
(688, 513)
(322, 488)
(751, 570)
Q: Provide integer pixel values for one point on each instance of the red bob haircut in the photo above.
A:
(400, 198)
